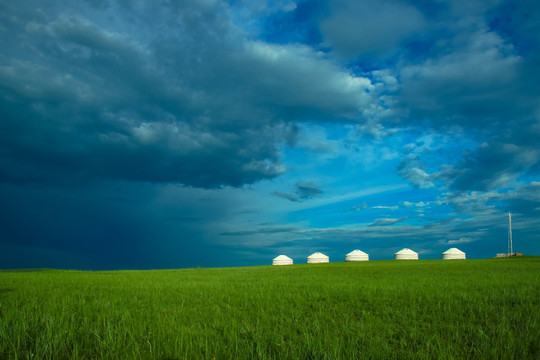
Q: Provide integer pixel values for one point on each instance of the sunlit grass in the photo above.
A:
(381, 309)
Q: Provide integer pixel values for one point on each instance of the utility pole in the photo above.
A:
(510, 250)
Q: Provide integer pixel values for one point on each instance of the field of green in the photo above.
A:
(427, 309)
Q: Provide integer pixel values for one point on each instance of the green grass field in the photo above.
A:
(428, 309)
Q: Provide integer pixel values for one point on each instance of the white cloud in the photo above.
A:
(395, 207)
(297, 76)
(360, 207)
(386, 221)
(418, 177)
(419, 204)
(463, 240)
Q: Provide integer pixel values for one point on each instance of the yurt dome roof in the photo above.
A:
(282, 257)
(357, 252)
(453, 251)
(317, 255)
(406, 251)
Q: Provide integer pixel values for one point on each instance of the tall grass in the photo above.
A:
(377, 310)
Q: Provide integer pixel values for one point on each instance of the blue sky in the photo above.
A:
(171, 134)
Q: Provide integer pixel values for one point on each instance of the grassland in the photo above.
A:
(474, 309)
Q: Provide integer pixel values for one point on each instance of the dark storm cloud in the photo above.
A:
(360, 28)
(307, 190)
(171, 93)
(290, 197)
(304, 190)
(267, 230)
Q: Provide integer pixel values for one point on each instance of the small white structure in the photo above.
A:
(453, 254)
(357, 255)
(406, 254)
(282, 260)
(317, 258)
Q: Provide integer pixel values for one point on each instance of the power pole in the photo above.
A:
(510, 250)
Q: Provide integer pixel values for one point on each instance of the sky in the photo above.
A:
(174, 134)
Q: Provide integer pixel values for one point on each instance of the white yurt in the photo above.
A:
(406, 254)
(453, 254)
(317, 258)
(282, 260)
(357, 255)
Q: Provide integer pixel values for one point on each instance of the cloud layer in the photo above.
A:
(195, 102)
